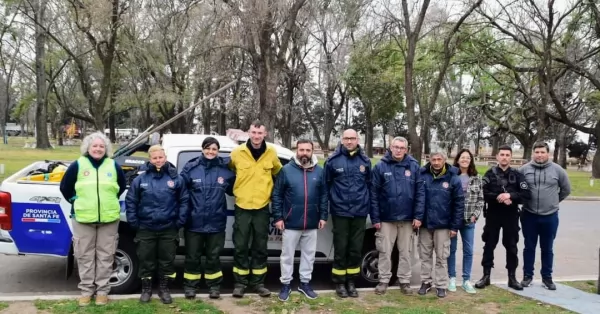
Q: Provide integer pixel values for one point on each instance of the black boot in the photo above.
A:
(512, 281)
(146, 290)
(189, 288)
(214, 292)
(548, 283)
(238, 291)
(340, 290)
(262, 291)
(485, 280)
(163, 291)
(352, 289)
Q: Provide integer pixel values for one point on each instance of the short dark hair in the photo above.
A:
(257, 124)
(472, 170)
(305, 141)
(541, 144)
(505, 147)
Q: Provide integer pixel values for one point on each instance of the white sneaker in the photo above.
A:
(468, 287)
(452, 284)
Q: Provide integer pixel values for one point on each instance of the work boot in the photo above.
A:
(548, 283)
(214, 292)
(381, 288)
(189, 288)
(163, 291)
(262, 291)
(405, 289)
(238, 291)
(425, 287)
(340, 290)
(526, 281)
(512, 281)
(485, 280)
(352, 289)
(146, 290)
(441, 293)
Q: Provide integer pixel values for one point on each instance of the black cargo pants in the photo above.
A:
(250, 257)
(507, 220)
(199, 244)
(157, 247)
(348, 237)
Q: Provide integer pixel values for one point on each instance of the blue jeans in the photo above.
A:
(544, 227)
(467, 234)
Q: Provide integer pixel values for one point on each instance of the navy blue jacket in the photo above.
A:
(208, 180)
(348, 179)
(444, 199)
(157, 200)
(300, 196)
(399, 188)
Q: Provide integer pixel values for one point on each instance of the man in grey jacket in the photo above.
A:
(549, 185)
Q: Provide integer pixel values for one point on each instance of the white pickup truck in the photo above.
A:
(34, 219)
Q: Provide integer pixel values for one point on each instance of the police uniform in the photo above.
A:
(501, 216)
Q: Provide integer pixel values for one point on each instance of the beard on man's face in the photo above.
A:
(304, 159)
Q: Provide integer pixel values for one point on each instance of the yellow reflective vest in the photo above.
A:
(96, 192)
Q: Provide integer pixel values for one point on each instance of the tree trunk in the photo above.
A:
(413, 136)
(563, 152)
(112, 125)
(222, 121)
(426, 136)
(527, 143)
(369, 127)
(42, 141)
(596, 160)
(286, 130)
(267, 90)
(495, 144)
(557, 146)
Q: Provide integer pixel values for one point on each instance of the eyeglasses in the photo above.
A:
(398, 148)
(347, 139)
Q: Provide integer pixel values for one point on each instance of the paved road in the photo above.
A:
(576, 256)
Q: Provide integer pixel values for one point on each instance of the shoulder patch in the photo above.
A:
(523, 185)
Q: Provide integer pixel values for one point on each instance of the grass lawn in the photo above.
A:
(587, 286)
(15, 157)
(128, 307)
(490, 300)
(3, 305)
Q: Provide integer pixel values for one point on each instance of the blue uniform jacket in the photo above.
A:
(157, 200)
(300, 196)
(208, 180)
(399, 188)
(444, 199)
(348, 179)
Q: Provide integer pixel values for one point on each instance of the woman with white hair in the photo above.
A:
(93, 185)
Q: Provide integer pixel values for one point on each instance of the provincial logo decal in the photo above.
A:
(86, 173)
(109, 174)
(445, 185)
(407, 173)
(524, 185)
(170, 183)
(220, 180)
(362, 168)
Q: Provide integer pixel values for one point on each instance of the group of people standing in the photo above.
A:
(440, 201)
(437, 201)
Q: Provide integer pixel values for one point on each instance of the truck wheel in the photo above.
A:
(369, 267)
(124, 279)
